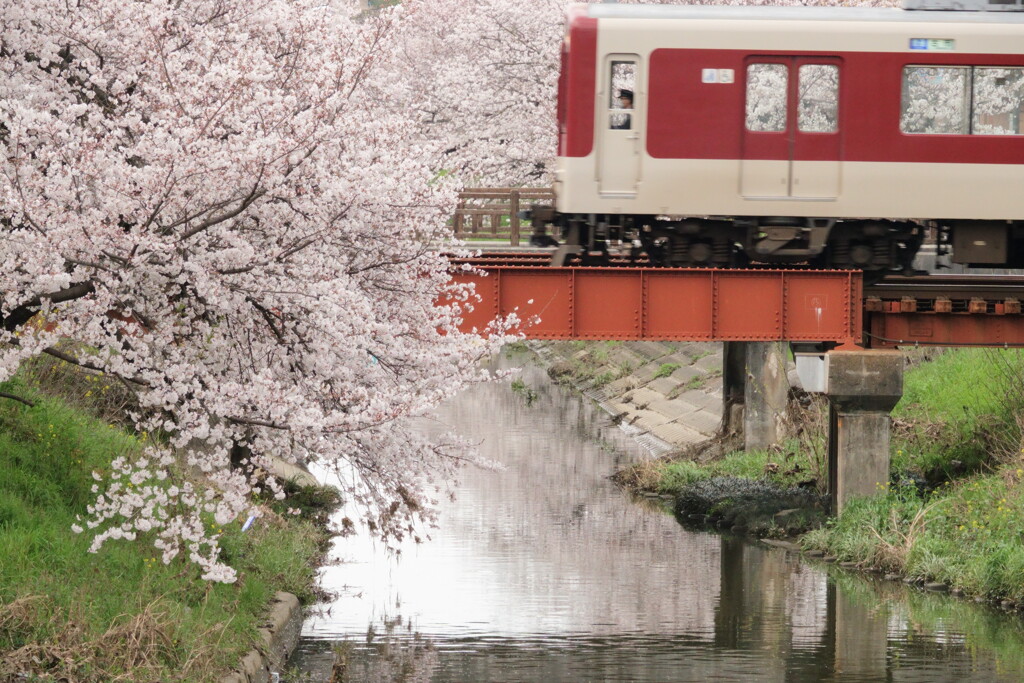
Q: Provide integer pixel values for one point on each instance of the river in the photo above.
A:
(545, 571)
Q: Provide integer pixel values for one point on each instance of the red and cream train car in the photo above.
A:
(803, 134)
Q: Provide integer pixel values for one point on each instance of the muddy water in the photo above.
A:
(546, 572)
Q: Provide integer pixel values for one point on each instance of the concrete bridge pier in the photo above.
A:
(766, 395)
(862, 386)
(755, 392)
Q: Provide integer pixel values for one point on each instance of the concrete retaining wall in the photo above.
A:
(279, 635)
(668, 394)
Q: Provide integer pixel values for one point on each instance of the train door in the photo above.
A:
(791, 137)
(620, 110)
(817, 143)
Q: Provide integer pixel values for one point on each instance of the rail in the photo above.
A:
(493, 212)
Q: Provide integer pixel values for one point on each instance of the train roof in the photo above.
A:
(776, 13)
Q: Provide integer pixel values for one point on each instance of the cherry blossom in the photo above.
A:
(219, 203)
(236, 208)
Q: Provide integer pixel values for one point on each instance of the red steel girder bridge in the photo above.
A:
(695, 304)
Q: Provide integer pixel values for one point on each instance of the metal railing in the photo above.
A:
(493, 212)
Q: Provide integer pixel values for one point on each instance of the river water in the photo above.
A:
(545, 571)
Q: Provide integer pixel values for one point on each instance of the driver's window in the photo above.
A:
(622, 78)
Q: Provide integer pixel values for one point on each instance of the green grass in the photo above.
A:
(591, 363)
(958, 412)
(958, 383)
(787, 467)
(80, 615)
(966, 534)
(957, 431)
(666, 369)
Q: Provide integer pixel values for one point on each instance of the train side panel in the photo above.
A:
(696, 155)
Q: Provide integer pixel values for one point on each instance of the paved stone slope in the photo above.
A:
(668, 394)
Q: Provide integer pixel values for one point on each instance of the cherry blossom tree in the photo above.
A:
(218, 202)
(482, 77)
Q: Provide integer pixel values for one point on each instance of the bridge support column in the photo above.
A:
(765, 395)
(862, 388)
(734, 386)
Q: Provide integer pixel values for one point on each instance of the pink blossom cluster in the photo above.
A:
(226, 205)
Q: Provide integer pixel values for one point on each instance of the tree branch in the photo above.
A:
(256, 423)
(226, 216)
(22, 314)
(19, 399)
(60, 355)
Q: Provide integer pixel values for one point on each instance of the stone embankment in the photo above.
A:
(668, 395)
(279, 635)
(280, 632)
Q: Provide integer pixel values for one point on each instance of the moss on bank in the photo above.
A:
(952, 511)
(120, 614)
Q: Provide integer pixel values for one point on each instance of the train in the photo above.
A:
(834, 137)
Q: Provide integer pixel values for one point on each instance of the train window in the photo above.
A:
(620, 95)
(935, 100)
(819, 98)
(767, 85)
(998, 96)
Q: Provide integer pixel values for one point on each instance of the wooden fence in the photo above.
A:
(493, 212)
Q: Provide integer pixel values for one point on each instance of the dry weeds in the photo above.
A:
(893, 556)
(642, 476)
(136, 648)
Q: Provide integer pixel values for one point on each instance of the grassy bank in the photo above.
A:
(952, 511)
(120, 614)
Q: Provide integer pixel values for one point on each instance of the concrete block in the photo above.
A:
(704, 422)
(289, 472)
(696, 350)
(811, 372)
(710, 363)
(652, 349)
(644, 396)
(678, 358)
(687, 373)
(623, 355)
(278, 637)
(647, 419)
(646, 373)
(676, 433)
(663, 385)
(862, 387)
(702, 400)
(619, 386)
(864, 380)
(675, 409)
(713, 386)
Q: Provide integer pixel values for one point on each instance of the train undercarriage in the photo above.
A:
(875, 246)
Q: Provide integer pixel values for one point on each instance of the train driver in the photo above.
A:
(624, 121)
